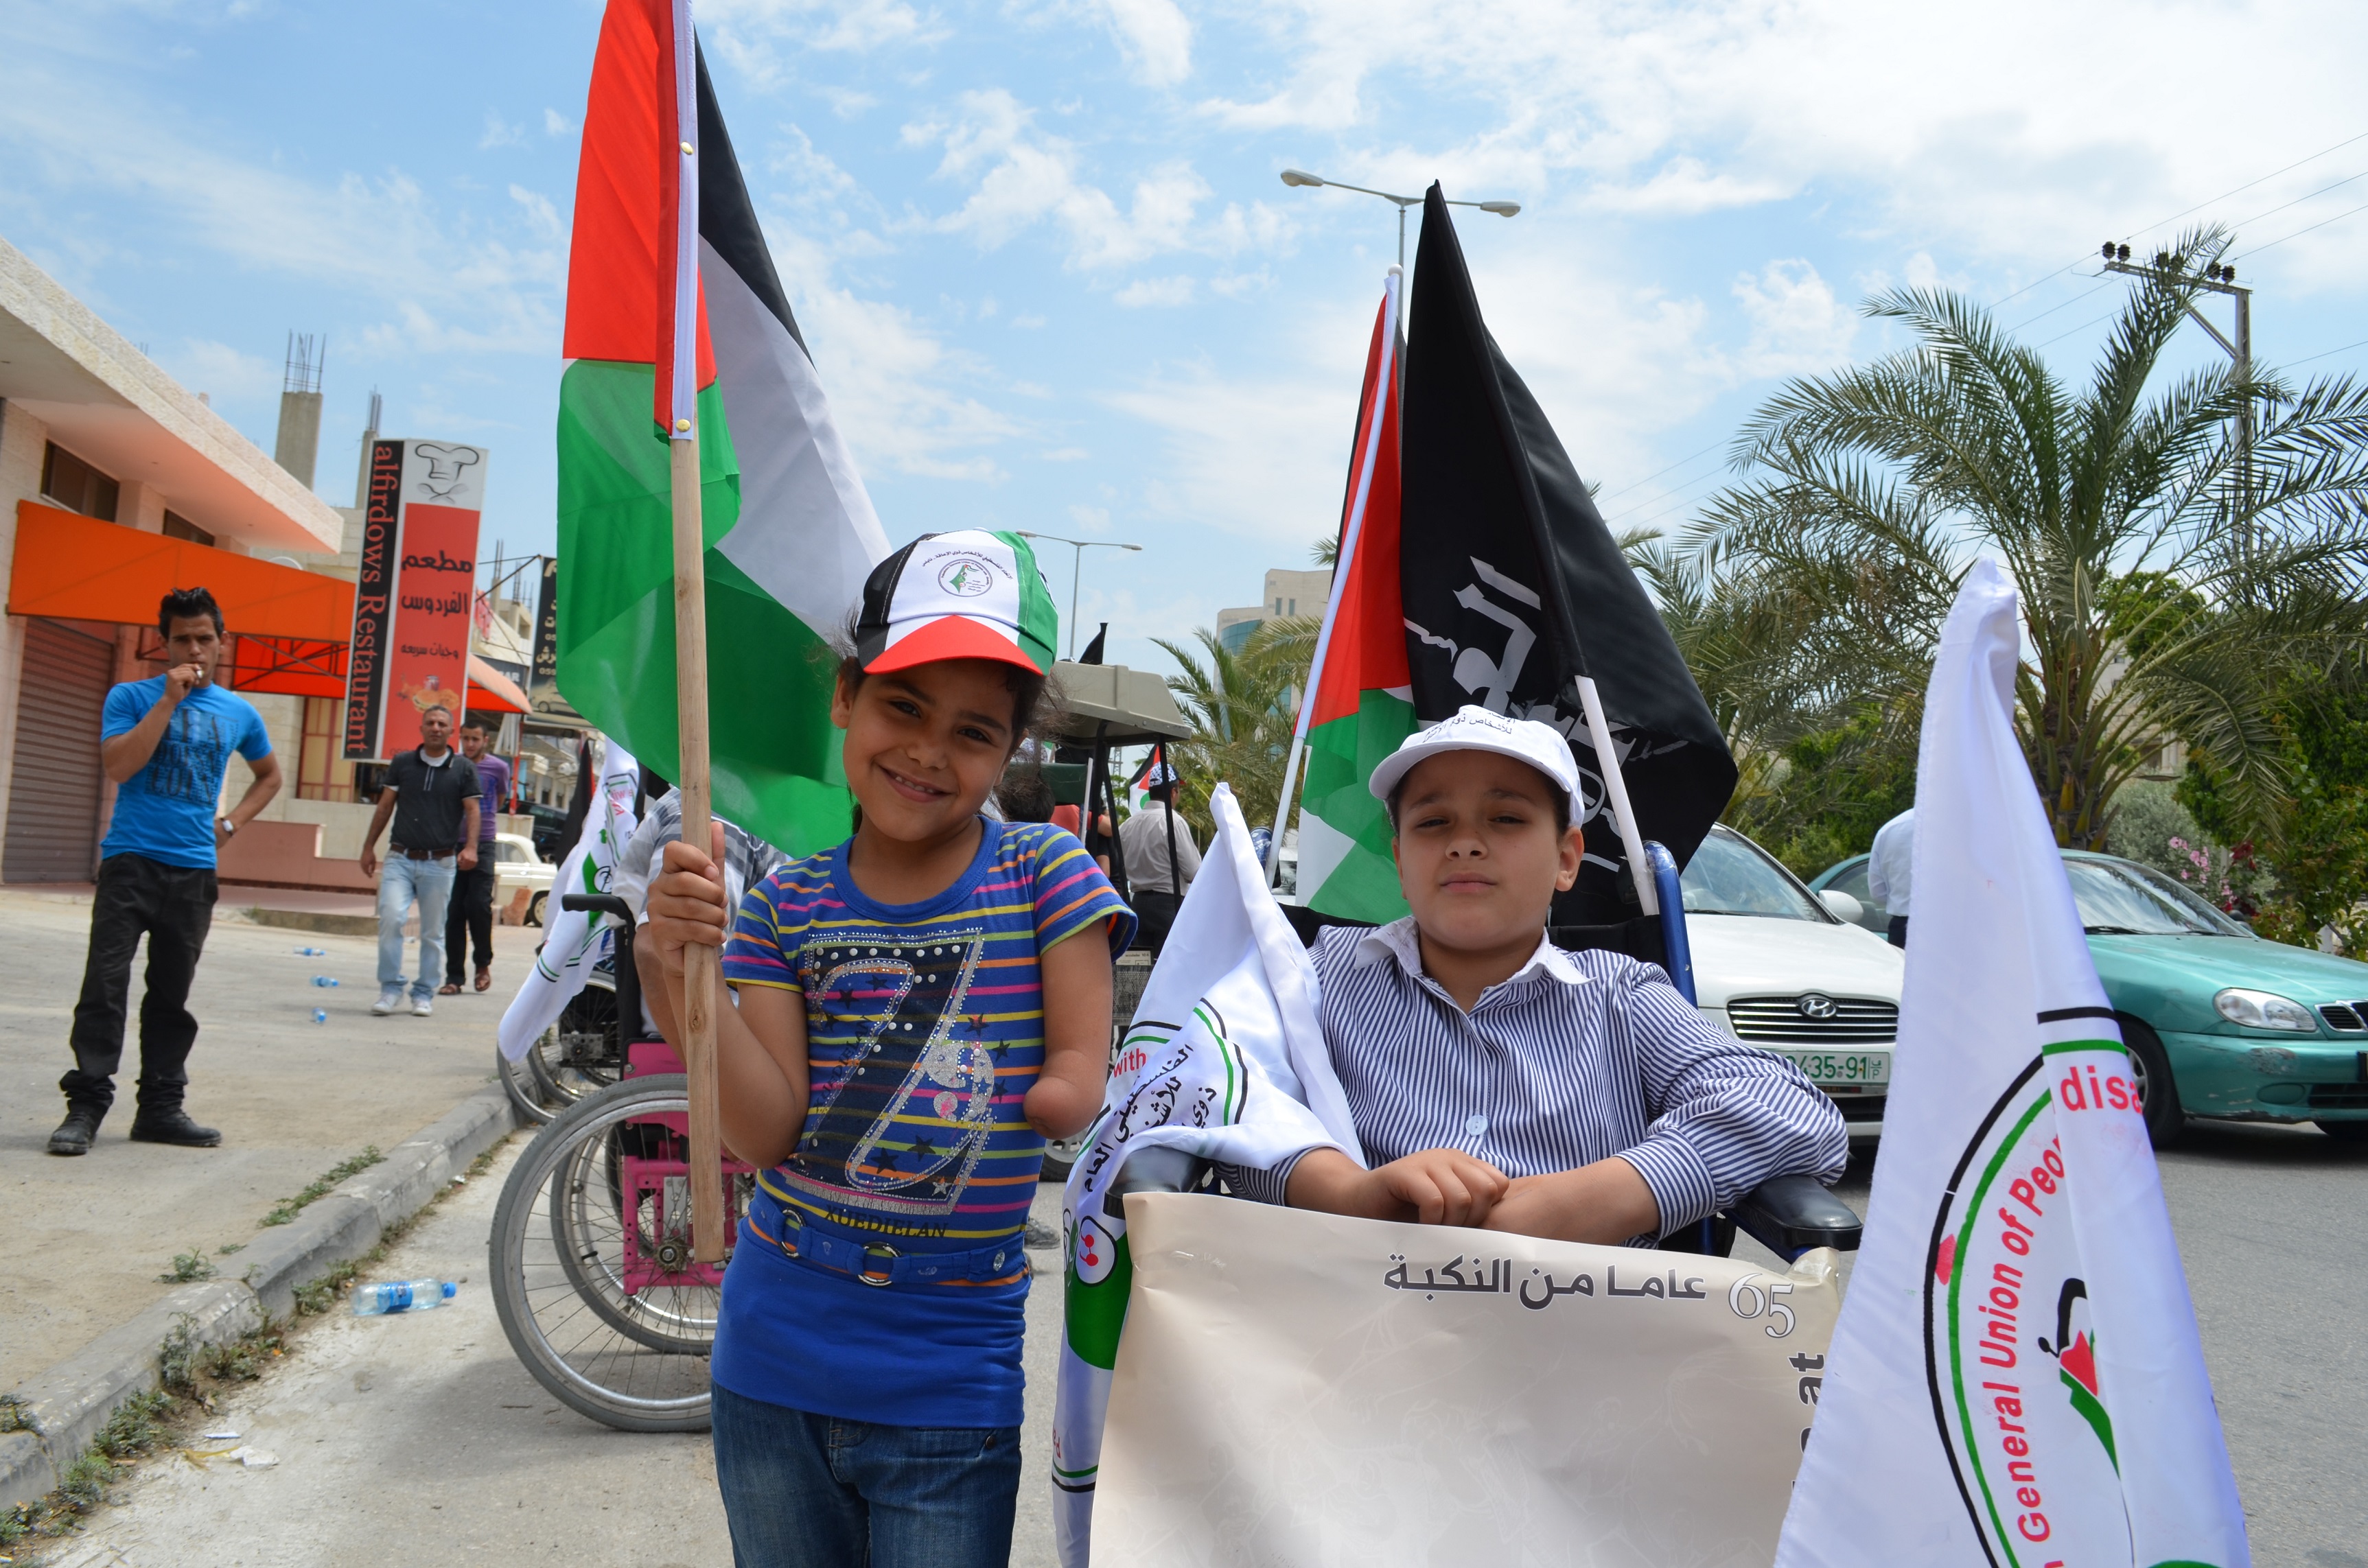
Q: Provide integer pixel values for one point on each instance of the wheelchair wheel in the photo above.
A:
(577, 1056)
(558, 1257)
(588, 1234)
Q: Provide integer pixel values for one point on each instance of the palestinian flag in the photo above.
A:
(1363, 702)
(790, 532)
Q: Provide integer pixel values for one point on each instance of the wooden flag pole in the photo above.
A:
(701, 965)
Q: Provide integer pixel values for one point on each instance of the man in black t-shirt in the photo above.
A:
(433, 796)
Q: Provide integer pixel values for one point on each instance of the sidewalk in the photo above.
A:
(89, 1236)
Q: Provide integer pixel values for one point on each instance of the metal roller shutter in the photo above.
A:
(55, 778)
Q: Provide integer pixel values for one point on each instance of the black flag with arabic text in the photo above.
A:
(1513, 587)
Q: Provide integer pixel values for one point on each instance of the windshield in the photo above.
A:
(2122, 898)
(1731, 875)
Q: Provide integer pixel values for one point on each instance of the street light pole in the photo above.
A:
(1302, 177)
(1076, 569)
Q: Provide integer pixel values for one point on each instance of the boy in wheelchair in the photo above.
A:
(1498, 1081)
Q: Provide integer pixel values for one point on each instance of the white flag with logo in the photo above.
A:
(1223, 1061)
(573, 942)
(2016, 1380)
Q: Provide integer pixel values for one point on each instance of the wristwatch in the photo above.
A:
(229, 828)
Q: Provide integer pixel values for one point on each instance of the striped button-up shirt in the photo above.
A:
(1574, 1058)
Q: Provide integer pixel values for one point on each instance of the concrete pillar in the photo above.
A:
(298, 445)
(22, 439)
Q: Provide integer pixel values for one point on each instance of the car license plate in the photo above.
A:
(1841, 1066)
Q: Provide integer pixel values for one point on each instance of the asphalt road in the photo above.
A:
(425, 1431)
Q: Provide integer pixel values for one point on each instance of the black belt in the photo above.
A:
(420, 854)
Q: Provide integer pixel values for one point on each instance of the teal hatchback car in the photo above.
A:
(2218, 1022)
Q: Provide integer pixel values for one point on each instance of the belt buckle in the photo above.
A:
(884, 1250)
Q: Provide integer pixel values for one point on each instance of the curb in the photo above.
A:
(66, 1404)
(327, 924)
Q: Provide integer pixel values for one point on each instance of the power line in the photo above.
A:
(1671, 468)
(2330, 352)
(2051, 310)
(2298, 233)
(2298, 200)
(2069, 331)
(2197, 208)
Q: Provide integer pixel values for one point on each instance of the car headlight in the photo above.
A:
(2264, 1010)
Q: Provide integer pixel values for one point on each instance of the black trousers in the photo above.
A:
(173, 906)
(1897, 931)
(471, 912)
(1153, 913)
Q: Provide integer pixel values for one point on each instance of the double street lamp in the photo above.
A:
(1302, 177)
(1076, 570)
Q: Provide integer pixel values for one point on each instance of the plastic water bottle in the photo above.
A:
(312, 952)
(328, 979)
(402, 1296)
(320, 1016)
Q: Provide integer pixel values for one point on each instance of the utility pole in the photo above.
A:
(2218, 280)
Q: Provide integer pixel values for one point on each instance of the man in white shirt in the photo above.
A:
(1889, 866)
(1155, 842)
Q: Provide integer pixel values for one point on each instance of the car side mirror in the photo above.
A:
(1843, 905)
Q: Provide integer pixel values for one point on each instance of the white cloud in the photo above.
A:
(220, 372)
(499, 132)
(541, 213)
(1154, 36)
(1156, 291)
(845, 103)
(1063, 455)
(1683, 187)
(1093, 519)
(1020, 176)
(557, 124)
(764, 39)
(1027, 322)
(1797, 325)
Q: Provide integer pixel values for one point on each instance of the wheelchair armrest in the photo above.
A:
(1153, 1170)
(1790, 1214)
(599, 904)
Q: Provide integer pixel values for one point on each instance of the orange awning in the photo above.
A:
(490, 691)
(77, 568)
(289, 628)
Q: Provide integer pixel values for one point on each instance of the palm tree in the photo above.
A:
(1241, 707)
(2173, 574)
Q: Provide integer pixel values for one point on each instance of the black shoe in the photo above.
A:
(75, 1134)
(172, 1125)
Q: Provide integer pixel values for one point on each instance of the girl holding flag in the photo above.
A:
(915, 1021)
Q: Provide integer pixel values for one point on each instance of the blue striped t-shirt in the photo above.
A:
(925, 1030)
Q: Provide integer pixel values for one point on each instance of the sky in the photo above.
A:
(1051, 280)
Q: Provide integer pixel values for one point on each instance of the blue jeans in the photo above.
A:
(401, 882)
(803, 1491)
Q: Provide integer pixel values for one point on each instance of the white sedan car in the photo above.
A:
(517, 869)
(1778, 968)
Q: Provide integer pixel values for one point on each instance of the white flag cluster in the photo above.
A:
(2016, 1379)
(1223, 1061)
(573, 942)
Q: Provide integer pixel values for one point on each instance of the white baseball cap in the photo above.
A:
(1476, 729)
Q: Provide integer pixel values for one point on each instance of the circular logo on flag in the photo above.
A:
(965, 577)
(2009, 1349)
(1096, 1251)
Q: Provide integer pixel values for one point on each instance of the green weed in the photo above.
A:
(287, 1208)
(187, 1267)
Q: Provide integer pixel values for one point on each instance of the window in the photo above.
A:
(75, 485)
(179, 526)
(320, 773)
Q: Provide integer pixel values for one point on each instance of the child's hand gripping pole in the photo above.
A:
(701, 963)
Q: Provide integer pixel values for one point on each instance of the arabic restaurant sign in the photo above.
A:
(1297, 1387)
(414, 592)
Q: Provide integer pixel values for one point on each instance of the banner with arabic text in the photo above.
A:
(1303, 1388)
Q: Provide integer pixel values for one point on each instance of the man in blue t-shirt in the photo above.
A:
(166, 742)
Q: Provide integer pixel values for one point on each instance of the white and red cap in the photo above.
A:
(967, 595)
